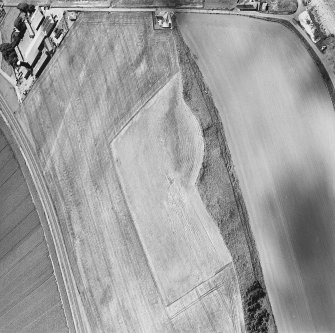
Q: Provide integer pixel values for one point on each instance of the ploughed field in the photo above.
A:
(280, 126)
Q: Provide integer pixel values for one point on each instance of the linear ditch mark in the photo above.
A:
(151, 94)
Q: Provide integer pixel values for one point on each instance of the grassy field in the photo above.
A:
(280, 126)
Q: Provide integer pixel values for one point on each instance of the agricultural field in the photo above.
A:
(8, 93)
(325, 10)
(280, 126)
(121, 153)
(156, 3)
(158, 175)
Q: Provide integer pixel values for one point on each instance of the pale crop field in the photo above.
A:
(280, 125)
(158, 158)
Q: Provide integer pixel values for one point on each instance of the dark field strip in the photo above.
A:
(25, 264)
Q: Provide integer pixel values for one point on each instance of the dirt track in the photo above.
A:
(280, 126)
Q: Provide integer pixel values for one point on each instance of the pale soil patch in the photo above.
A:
(6, 31)
(307, 24)
(280, 126)
(326, 14)
(158, 158)
(323, 17)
